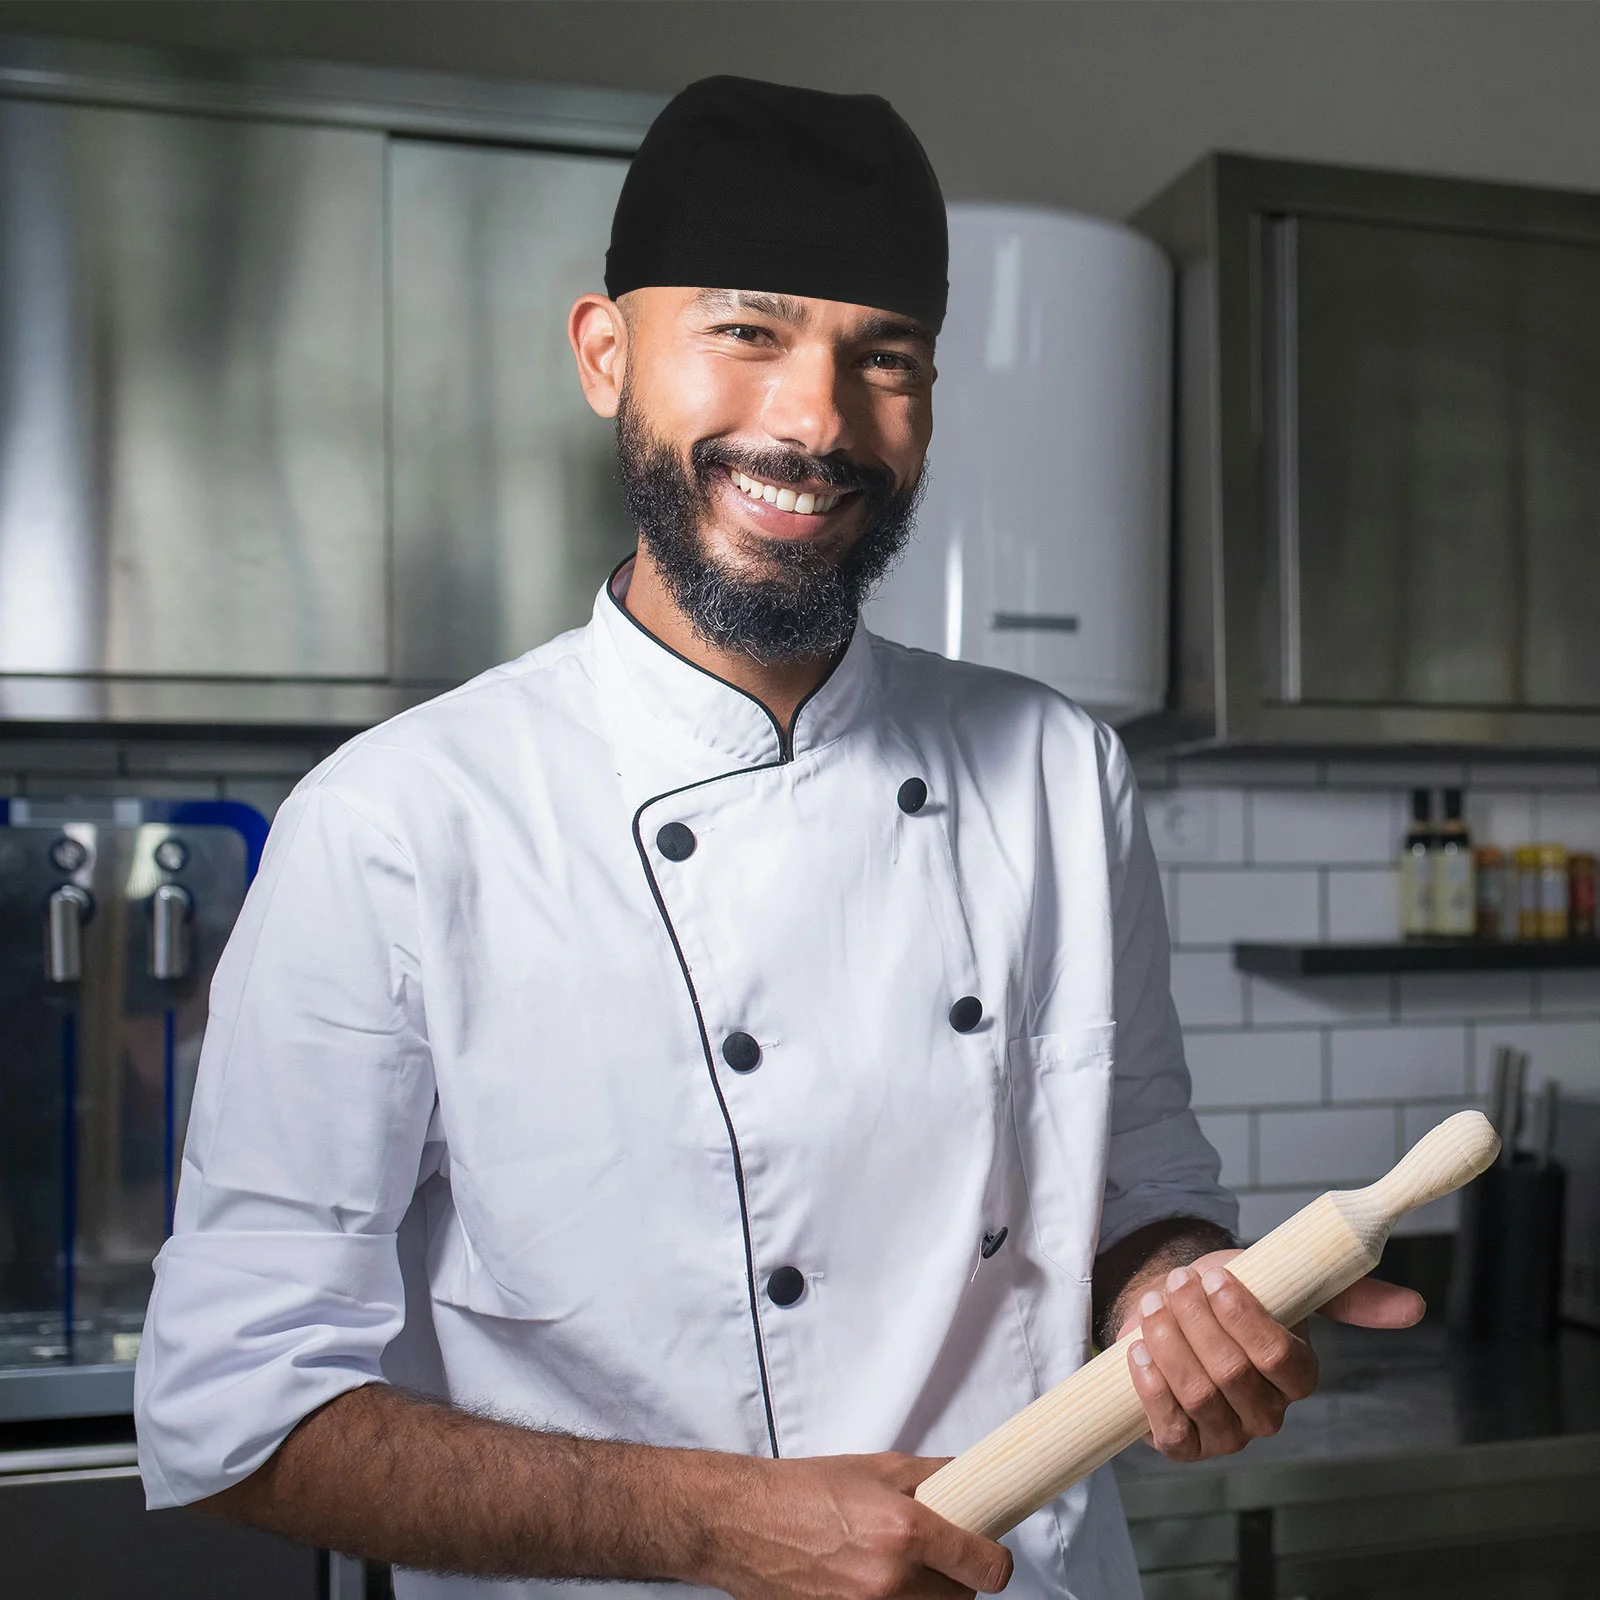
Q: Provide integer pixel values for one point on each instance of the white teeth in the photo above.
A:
(806, 505)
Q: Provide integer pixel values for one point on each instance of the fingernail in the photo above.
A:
(1213, 1280)
(1141, 1356)
(1151, 1303)
(1177, 1278)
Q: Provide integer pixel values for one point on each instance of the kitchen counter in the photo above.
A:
(1417, 1451)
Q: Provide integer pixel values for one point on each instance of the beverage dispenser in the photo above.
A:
(113, 914)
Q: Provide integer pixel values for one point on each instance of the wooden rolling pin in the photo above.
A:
(1080, 1424)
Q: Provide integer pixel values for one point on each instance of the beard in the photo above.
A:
(800, 598)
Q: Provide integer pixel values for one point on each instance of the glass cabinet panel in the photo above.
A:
(1439, 537)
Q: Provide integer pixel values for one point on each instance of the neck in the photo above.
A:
(780, 687)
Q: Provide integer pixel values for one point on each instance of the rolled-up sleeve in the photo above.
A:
(1159, 1163)
(280, 1287)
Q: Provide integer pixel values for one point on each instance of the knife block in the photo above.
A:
(1508, 1253)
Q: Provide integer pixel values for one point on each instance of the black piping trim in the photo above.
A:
(785, 738)
(711, 1068)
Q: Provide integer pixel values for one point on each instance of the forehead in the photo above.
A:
(849, 321)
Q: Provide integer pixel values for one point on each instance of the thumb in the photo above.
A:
(905, 1472)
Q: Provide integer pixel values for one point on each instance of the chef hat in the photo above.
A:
(741, 184)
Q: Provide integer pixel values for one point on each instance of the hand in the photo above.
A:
(1214, 1371)
(846, 1528)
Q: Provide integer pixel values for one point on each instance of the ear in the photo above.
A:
(598, 334)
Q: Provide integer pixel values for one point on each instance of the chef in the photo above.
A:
(664, 1095)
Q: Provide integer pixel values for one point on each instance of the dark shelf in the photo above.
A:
(1418, 955)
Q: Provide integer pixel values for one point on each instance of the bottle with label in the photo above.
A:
(1416, 868)
(1580, 894)
(1497, 916)
(1528, 891)
(1455, 898)
(1554, 889)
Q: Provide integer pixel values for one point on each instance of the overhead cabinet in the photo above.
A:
(191, 400)
(1388, 496)
(289, 427)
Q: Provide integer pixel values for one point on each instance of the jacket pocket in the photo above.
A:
(1061, 1091)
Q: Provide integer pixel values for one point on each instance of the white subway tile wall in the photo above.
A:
(1299, 1084)
(1306, 1083)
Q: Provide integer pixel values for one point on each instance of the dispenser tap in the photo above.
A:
(69, 908)
(171, 910)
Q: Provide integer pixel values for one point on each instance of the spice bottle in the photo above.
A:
(1416, 868)
(1528, 891)
(1554, 906)
(1580, 895)
(1455, 908)
(1497, 918)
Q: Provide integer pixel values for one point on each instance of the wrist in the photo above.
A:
(713, 1495)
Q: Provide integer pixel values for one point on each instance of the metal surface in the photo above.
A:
(191, 396)
(383, 99)
(507, 515)
(100, 1389)
(85, 1535)
(171, 910)
(1386, 505)
(1484, 1456)
(194, 473)
(68, 1458)
(67, 910)
(98, 1077)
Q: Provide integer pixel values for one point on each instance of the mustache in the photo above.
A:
(791, 466)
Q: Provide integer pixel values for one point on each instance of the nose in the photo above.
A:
(801, 407)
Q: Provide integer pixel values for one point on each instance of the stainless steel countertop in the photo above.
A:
(1399, 1412)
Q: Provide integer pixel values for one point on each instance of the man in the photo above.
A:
(653, 1081)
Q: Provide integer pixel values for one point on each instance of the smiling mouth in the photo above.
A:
(806, 503)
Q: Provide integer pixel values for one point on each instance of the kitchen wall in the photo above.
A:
(1324, 1081)
(1088, 105)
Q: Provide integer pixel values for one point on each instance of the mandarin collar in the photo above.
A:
(675, 705)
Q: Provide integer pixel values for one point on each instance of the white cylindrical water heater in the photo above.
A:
(1042, 545)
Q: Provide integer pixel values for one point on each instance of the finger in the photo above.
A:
(1372, 1303)
(1253, 1397)
(967, 1558)
(904, 1472)
(1282, 1356)
(1172, 1432)
(1218, 1425)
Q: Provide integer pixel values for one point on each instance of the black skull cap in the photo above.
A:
(741, 184)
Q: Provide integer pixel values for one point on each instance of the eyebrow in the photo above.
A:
(785, 308)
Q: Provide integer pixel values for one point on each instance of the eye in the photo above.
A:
(892, 361)
(743, 332)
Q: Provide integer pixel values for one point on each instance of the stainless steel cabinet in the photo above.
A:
(191, 396)
(507, 514)
(289, 429)
(1389, 500)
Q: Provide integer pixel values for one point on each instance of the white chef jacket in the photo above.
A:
(465, 1122)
